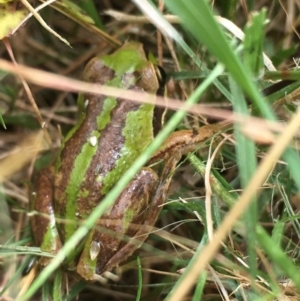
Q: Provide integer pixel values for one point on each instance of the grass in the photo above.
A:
(229, 229)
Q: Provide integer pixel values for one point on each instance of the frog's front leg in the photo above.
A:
(43, 221)
(132, 215)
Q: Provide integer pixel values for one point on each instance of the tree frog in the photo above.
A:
(109, 135)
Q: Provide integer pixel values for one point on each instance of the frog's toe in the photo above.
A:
(111, 276)
(105, 277)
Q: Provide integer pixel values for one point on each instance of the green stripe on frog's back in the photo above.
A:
(138, 134)
(138, 131)
(82, 163)
(88, 150)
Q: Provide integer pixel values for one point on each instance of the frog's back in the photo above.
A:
(112, 134)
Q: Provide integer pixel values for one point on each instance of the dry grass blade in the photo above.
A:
(41, 21)
(20, 155)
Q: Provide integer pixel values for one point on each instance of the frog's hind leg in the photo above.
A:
(43, 219)
(155, 206)
(120, 231)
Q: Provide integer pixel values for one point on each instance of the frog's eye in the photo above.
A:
(161, 76)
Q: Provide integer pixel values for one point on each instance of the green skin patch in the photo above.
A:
(48, 240)
(130, 213)
(138, 134)
(82, 164)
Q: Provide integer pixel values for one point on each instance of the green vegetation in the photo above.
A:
(232, 235)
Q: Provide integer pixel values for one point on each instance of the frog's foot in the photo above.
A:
(106, 276)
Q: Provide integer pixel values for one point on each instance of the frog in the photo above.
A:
(110, 134)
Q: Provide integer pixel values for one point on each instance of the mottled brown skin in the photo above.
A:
(185, 141)
(42, 203)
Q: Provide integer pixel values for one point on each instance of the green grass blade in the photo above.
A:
(90, 8)
(219, 186)
(200, 287)
(278, 256)
(140, 277)
(289, 74)
(199, 20)
(246, 160)
(253, 43)
(172, 32)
